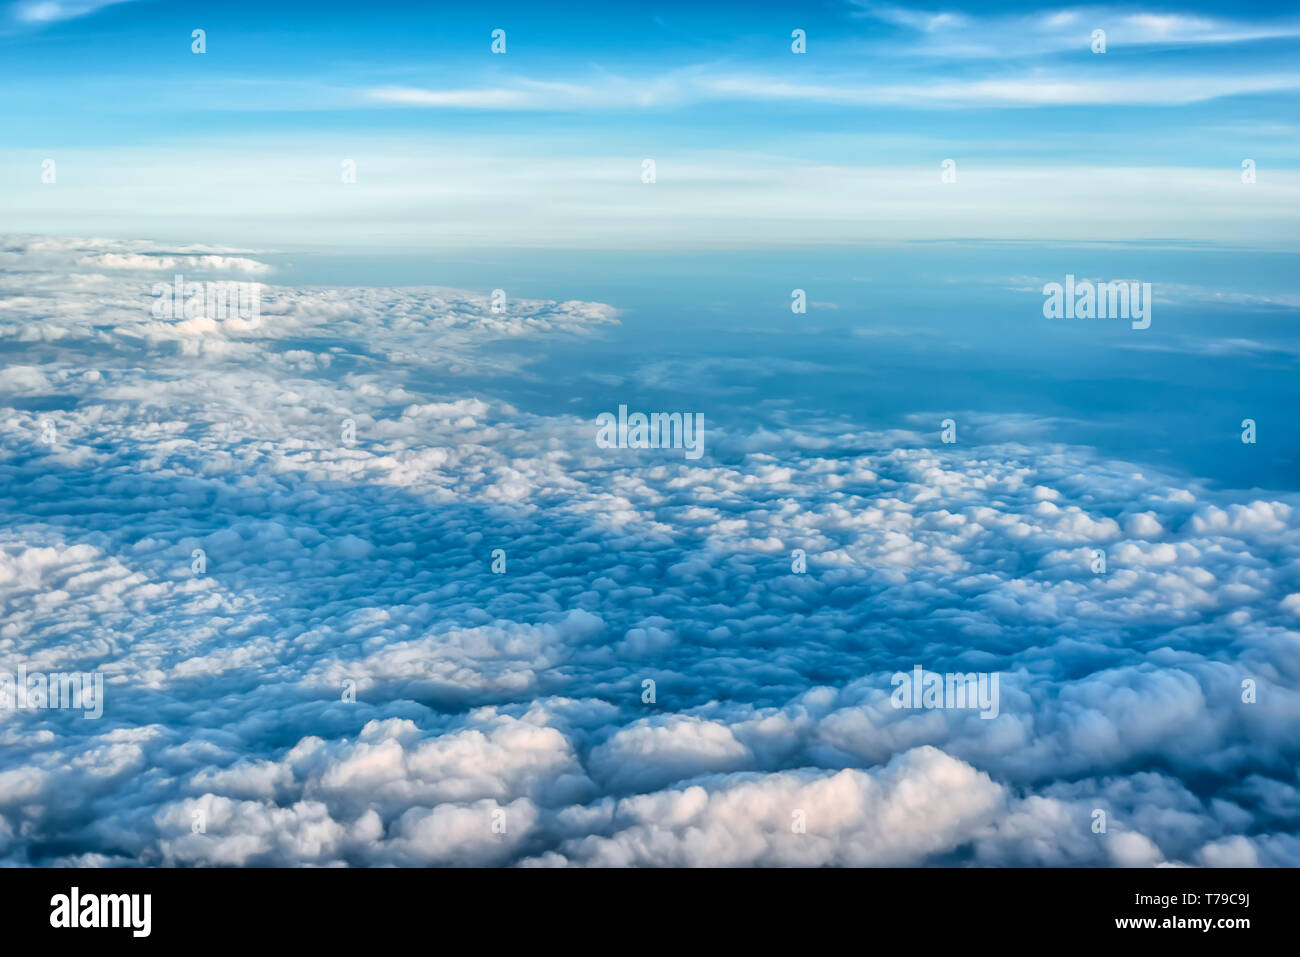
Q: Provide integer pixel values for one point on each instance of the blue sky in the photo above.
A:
(753, 144)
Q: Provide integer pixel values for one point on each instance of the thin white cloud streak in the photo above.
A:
(1029, 90)
(40, 12)
(602, 92)
(498, 99)
(1023, 91)
(962, 35)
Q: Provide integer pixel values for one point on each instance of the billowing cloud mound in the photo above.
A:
(275, 536)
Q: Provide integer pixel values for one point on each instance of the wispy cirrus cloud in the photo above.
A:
(40, 12)
(1037, 88)
(1034, 89)
(953, 34)
(604, 91)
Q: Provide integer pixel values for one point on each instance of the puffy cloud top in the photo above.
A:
(275, 540)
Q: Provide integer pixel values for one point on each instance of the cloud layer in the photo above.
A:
(503, 718)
